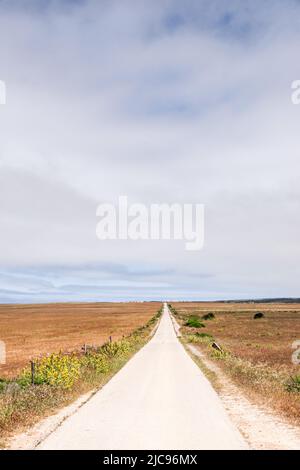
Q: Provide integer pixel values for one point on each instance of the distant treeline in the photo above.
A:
(285, 300)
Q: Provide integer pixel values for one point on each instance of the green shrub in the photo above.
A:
(3, 383)
(208, 316)
(258, 315)
(194, 322)
(293, 385)
(116, 348)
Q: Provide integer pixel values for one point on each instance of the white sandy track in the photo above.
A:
(159, 400)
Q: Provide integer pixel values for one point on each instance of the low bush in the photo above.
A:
(208, 316)
(258, 315)
(194, 322)
(116, 348)
(293, 385)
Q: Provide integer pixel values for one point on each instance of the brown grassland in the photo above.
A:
(257, 353)
(33, 330)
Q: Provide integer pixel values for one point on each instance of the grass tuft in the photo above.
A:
(194, 322)
(293, 384)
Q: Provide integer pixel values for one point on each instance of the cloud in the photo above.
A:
(163, 102)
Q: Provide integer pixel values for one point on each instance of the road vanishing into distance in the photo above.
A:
(160, 400)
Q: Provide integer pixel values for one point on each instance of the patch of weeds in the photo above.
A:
(3, 384)
(293, 384)
(116, 348)
(216, 354)
(257, 375)
(204, 335)
(194, 322)
(197, 337)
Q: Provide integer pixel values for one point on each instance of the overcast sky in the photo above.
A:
(162, 101)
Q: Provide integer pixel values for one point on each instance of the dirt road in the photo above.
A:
(159, 400)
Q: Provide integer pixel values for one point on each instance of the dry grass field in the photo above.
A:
(53, 335)
(33, 330)
(258, 353)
